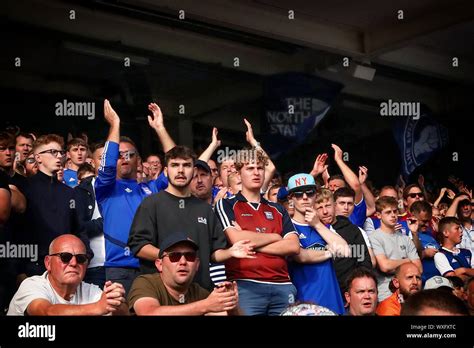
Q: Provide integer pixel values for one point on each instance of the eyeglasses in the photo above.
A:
(53, 152)
(67, 257)
(127, 154)
(299, 194)
(30, 161)
(175, 256)
(415, 194)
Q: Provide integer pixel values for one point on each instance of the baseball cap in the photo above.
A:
(174, 239)
(437, 282)
(203, 165)
(300, 181)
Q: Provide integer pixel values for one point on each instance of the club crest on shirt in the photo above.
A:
(269, 215)
(202, 220)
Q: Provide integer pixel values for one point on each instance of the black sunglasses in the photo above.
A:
(299, 194)
(67, 257)
(413, 195)
(175, 256)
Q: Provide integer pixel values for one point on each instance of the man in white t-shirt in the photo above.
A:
(61, 291)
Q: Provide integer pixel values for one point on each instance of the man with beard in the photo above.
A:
(391, 247)
(175, 210)
(118, 193)
(406, 282)
(201, 185)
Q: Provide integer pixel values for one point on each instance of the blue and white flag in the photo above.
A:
(418, 139)
(294, 105)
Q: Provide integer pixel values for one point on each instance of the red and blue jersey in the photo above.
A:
(262, 217)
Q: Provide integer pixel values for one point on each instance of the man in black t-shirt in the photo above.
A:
(175, 210)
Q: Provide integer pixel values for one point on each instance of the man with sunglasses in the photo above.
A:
(312, 270)
(119, 194)
(172, 290)
(51, 209)
(61, 291)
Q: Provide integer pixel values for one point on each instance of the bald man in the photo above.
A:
(61, 291)
(406, 282)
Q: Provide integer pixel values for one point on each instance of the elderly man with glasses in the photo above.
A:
(172, 290)
(61, 291)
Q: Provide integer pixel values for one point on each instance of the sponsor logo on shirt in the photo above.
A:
(72, 179)
(260, 229)
(316, 246)
(146, 190)
(202, 220)
(269, 215)
(128, 190)
(245, 214)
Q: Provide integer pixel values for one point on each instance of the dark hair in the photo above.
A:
(337, 176)
(434, 298)
(456, 281)
(359, 272)
(7, 139)
(445, 222)
(344, 192)
(180, 151)
(84, 168)
(98, 145)
(76, 142)
(408, 188)
(24, 135)
(420, 206)
(124, 139)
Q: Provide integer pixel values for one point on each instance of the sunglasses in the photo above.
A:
(299, 194)
(413, 195)
(175, 256)
(67, 257)
(127, 154)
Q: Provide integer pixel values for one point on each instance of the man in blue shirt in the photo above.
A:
(77, 150)
(119, 194)
(312, 270)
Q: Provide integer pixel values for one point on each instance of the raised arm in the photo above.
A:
(350, 177)
(368, 196)
(114, 122)
(270, 168)
(319, 166)
(454, 205)
(156, 122)
(215, 143)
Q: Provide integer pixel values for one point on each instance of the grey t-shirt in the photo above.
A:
(394, 246)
